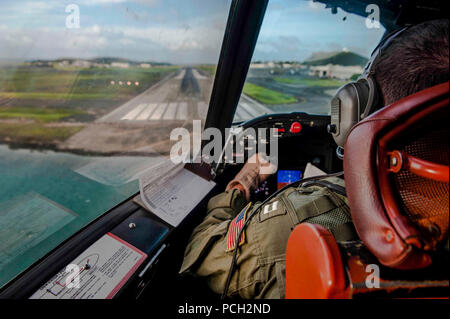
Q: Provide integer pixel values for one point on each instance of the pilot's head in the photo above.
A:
(415, 60)
(409, 60)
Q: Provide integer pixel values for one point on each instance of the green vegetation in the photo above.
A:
(37, 114)
(310, 82)
(40, 95)
(209, 69)
(28, 82)
(59, 96)
(267, 96)
(36, 132)
(355, 76)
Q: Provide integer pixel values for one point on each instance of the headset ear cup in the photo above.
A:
(372, 100)
(345, 108)
(364, 96)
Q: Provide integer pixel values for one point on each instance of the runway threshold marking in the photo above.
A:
(202, 109)
(147, 112)
(164, 111)
(134, 112)
(170, 112)
(182, 111)
(157, 114)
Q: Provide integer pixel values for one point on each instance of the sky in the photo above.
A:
(295, 29)
(174, 31)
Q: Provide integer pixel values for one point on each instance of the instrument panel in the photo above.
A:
(291, 124)
(302, 139)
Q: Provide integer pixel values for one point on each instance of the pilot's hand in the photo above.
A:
(255, 171)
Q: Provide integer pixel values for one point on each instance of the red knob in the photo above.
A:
(296, 127)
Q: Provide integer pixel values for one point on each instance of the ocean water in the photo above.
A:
(47, 196)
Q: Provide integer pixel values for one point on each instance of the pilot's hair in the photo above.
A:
(415, 60)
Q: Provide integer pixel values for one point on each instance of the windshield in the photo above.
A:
(89, 93)
(303, 54)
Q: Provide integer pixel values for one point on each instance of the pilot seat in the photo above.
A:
(396, 168)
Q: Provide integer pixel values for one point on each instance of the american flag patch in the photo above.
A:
(235, 227)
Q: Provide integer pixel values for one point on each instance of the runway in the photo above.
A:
(143, 124)
(179, 97)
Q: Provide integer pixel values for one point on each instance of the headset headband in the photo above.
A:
(355, 101)
(378, 50)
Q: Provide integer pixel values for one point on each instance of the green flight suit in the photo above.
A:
(260, 270)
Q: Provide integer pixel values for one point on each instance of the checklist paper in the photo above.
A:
(172, 195)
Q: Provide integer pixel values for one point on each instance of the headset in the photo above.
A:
(356, 100)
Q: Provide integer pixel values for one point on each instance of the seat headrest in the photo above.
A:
(396, 171)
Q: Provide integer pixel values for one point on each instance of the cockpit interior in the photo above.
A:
(77, 134)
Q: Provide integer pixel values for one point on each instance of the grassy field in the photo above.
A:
(28, 82)
(36, 132)
(43, 95)
(208, 69)
(43, 115)
(59, 96)
(267, 96)
(310, 82)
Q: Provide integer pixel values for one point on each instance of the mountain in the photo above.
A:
(339, 58)
(321, 55)
(109, 60)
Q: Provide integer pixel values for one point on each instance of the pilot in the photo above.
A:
(413, 59)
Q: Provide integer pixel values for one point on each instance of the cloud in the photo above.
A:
(174, 38)
(279, 48)
(173, 44)
(185, 38)
(315, 6)
(35, 7)
(99, 2)
(149, 3)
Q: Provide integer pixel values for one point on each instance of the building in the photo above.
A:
(258, 65)
(64, 63)
(81, 64)
(333, 71)
(262, 65)
(145, 65)
(122, 65)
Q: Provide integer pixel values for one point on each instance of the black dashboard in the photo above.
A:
(302, 139)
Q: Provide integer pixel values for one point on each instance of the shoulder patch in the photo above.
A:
(235, 227)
